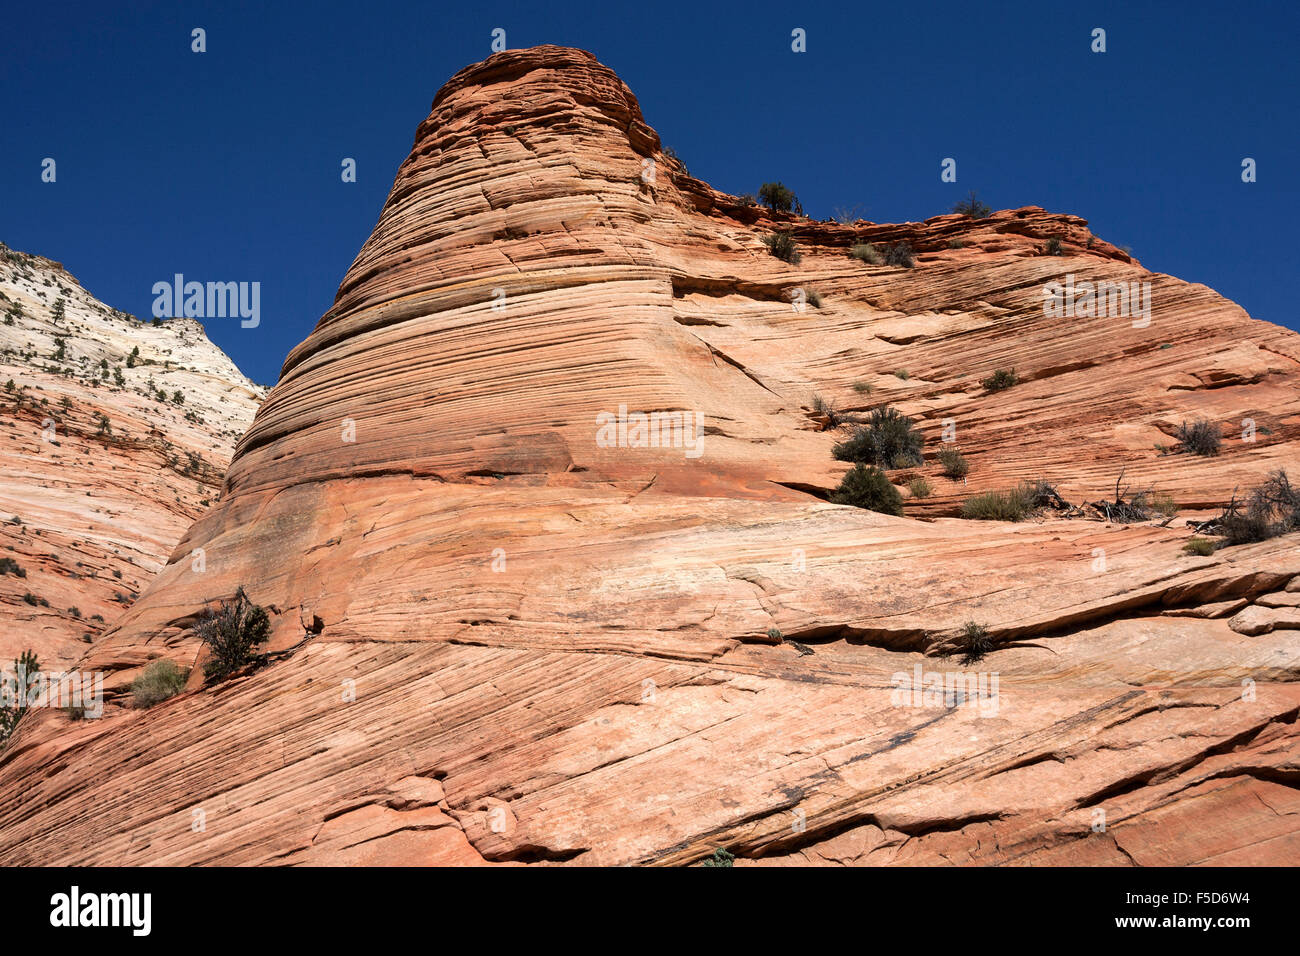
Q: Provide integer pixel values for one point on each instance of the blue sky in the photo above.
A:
(225, 165)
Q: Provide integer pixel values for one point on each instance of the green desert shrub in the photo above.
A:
(232, 633)
(776, 197)
(1053, 246)
(1202, 547)
(1013, 504)
(862, 388)
(10, 566)
(783, 246)
(1201, 437)
(157, 682)
(867, 487)
(866, 252)
(994, 506)
(920, 488)
(999, 380)
(954, 465)
(888, 439)
(721, 857)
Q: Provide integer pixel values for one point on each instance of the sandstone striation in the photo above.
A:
(497, 638)
(91, 507)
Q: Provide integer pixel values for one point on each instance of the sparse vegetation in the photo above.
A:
(783, 246)
(1271, 509)
(777, 197)
(954, 465)
(721, 857)
(824, 407)
(888, 439)
(1013, 504)
(157, 682)
(1053, 246)
(10, 566)
(671, 153)
(863, 388)
(16, 690)
(920, 488)
(1201, 547)
(866, 252)
(1001, 379)
(1201, 437)
(975, 642)
(867, 487)
(971, 206)
(232, 633)
(898, 254)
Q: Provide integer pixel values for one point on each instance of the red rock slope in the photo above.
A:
(501, 640)
(91, 508)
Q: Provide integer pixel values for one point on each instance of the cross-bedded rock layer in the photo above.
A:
(498, 638)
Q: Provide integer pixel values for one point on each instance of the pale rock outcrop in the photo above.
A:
(90, 507)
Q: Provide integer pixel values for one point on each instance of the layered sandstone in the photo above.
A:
(498, 639)
(91, 507)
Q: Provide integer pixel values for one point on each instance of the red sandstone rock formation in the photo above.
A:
(90, 507)
(497, 639)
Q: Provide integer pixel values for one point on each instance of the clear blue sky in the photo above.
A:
(225, 165)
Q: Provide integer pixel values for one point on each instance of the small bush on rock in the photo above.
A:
(971, 206)
(160, 680)
(232, 633)
(999, 380)
(975, 642)
(776, 197)
(954, 465)
(1202, 437)
(783, 246)
(899, 254)
(888, 439)
(866, 252)
(866, 487)
(920, 488)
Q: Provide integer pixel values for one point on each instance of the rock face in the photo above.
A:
(502, 632)
(91, 507)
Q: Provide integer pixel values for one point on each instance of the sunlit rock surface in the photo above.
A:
(497, 638)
